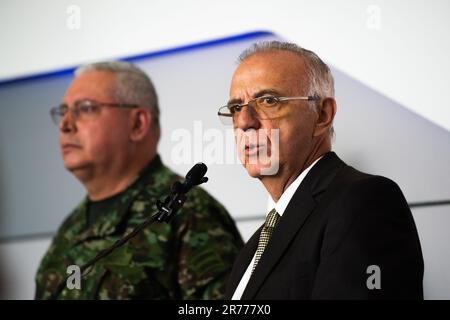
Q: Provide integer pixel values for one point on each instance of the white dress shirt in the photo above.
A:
(280, 206)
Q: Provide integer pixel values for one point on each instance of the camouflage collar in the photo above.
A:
(112, 222)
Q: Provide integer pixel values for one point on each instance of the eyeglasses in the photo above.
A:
(265, 107)
(84, 109)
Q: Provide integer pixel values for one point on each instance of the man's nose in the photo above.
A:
(67, 123)
(247, 119)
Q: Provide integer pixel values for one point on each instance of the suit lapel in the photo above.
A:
(291, 221)
(241, 264)
(300, 207)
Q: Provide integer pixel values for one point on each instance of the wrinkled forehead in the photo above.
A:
(279, 71)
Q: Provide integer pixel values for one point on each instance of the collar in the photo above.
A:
(112, 222)
(282, 203)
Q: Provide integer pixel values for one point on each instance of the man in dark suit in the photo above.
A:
(331, 232)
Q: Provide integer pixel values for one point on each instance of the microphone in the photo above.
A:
(176, 199)
(194, 177)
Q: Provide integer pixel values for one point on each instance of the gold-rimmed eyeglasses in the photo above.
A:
(265, 107)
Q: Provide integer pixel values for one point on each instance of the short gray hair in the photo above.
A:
(319, 74)
(133, 85)
(321, 81)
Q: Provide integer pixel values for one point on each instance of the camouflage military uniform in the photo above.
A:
(189, 258)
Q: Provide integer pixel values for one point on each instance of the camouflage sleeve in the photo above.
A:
(208, 245)
(49, 273)
(41, 280)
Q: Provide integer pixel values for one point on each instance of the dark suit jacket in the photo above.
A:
(339, 222)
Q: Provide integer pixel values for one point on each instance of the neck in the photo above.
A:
(277, 184)
(107, 182)
(108, 186)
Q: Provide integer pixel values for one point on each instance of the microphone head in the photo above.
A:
(196, 174)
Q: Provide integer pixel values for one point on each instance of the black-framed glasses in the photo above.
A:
(84, 109)
(265, 107)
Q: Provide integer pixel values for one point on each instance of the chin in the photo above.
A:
(253, 172)
(72, 164)
(260, 170)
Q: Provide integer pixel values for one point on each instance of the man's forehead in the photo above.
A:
(277, 71)
(91, 85)
(94, 79)
(272, 64)
(276, 59)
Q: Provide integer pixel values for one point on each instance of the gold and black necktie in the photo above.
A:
(271, 221)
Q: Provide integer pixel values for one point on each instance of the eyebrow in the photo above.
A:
(84, 99)
(258, 94)
(76, 101)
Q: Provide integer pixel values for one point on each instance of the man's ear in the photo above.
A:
(141, 122)
(326, 111)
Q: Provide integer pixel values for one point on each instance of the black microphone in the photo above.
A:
(176, 199)
(195, 176)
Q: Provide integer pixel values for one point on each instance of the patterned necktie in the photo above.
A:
(266, 232)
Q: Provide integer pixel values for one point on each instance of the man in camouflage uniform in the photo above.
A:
(112, 151)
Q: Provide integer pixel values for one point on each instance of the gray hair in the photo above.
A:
(321, 81)
(133, 85)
